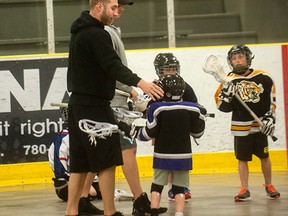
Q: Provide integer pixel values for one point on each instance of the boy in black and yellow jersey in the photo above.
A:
(257, 89)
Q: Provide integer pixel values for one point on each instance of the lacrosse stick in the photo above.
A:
(96, 129)
(122, 93)
(125, 115)
(213, 66)
(58, 104)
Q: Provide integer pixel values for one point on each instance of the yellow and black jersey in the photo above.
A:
(258, 91)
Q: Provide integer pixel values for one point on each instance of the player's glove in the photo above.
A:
(227, 92)
(268, 126)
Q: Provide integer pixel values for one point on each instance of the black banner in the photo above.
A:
(28, 122)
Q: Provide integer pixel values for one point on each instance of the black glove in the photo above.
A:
(227, 92)
(203, 110)
(124, 128)
(268, 126)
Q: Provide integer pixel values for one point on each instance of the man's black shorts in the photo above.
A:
(84, 156)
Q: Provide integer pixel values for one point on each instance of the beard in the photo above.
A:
(240, 69)
(105, 19)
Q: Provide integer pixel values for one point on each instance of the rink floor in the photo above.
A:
(212, 194)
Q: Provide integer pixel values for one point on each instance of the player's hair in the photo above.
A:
(92, 3)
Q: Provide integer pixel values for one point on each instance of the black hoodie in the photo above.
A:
(94, 66)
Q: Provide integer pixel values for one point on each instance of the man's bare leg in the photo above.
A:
(87, 185)
(131, 172)
(107, 187)
(76, 182)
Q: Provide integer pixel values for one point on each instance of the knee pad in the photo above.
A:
(177, 189)
(157, 188)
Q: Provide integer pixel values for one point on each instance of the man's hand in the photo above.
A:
(227, 92)
(268, 126)
(154, 91)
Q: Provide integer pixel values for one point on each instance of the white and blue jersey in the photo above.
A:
(59, 155)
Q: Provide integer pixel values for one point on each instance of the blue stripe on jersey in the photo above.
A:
(157, 107)
(59, 170)
(172, 164)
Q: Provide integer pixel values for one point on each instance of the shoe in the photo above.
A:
(187, 194)
(122, 195)
(272, 193)
(154, 212)
(171, 196)
(142, 205)
(117, 213)
(244, 195)
(87, 208)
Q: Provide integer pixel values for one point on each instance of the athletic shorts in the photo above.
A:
(84, 155)
(127, 143)
(246, 146)
(179, 178)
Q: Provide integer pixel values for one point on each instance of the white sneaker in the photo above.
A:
(122, 195)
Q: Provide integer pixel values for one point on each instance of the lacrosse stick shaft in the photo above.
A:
(122, 93)
(252, 113)
(211, 115)
(59, 104)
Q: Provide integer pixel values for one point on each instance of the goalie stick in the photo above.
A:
(213, 66)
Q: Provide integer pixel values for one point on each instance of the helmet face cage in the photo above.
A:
(166, 62)
(240, 49)
(173, 86)
(64, 113)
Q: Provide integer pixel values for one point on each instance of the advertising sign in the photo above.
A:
(28, 122)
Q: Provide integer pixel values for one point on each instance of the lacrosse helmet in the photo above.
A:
(236, 49)
(166, 61)
(173, 86)
(64, 113)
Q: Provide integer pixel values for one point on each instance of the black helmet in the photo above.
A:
(166, 60)
(240, 49)
(173, 87)
(64, 113)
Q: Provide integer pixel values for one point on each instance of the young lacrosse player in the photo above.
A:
(170, 122)
(59, 162)
(167, 63)
(257, 89)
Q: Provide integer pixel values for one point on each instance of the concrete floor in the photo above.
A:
(211, 195)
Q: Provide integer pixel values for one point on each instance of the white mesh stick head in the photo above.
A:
(213, 66)
(96, 129)
(125, 115)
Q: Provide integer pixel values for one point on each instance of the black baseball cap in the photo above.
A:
(125, 2)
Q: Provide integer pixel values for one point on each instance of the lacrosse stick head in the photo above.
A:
(96, 129)
(125, 115)
(212, 65)
(166, 63)
(240, 49)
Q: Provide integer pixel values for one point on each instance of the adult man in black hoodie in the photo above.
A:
(93, 69)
